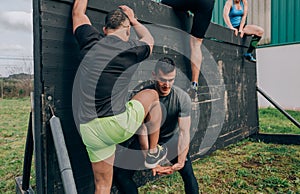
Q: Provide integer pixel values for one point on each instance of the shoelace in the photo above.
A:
(159, 147)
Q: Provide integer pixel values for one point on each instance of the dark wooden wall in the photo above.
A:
(225, 114)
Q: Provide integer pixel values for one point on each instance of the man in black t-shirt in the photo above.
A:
(105, 114)
(174, 134)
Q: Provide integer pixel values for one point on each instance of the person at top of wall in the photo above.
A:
(235, 16)
(202, 10)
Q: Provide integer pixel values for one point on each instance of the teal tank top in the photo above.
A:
(236, 15)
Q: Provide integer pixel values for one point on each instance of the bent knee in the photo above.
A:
(261, 31)
(150, 93)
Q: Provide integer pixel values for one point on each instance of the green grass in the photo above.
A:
(273, 121)
(13, 130)
(244, 167)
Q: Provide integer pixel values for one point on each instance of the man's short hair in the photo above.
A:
(165, 64)
(115, 18)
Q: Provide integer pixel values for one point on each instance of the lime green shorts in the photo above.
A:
(101, 135)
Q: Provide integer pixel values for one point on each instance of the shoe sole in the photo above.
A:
(151, 166)
(249, 59)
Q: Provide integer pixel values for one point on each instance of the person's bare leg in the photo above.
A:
(152, 123)
(143, 139)
(103, 173)
(253, 30)
(256, 33)
(196, 57)
(150, 101)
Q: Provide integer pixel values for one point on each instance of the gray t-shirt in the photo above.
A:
(176, 104)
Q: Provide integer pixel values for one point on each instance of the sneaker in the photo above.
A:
(192, 91)
(194, 86)
(250, 57)
(152, 160)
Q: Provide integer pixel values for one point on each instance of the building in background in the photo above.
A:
(278, 70)
(278, 67)
(277, 52)
(279, 18)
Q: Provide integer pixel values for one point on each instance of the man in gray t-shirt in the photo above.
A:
(174, 134)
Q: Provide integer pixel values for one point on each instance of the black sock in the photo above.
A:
(253, 43)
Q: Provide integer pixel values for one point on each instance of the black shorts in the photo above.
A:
(202, 10)
(238, 27)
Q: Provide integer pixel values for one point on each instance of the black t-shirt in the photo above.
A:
(176, 104)
(102, 79)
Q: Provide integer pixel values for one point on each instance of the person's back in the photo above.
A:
(109, 64)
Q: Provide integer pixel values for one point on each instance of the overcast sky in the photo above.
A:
(16, 28)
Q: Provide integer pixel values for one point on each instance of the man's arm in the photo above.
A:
(141, 31)
(184, 124)
(78, 14)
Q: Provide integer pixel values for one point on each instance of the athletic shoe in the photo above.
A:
(192, 91)
(250, 57)
(152, 160)
(194, 86)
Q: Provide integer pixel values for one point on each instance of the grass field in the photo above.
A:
(245, 167)
(13, 130)
(272, 121)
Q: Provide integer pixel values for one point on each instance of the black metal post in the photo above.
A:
(27, 156)
(278, 107)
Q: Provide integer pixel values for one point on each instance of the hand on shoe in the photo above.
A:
(162, 170)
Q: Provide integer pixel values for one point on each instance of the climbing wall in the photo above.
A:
(226, 110)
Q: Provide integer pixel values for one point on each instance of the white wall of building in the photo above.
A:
(278, 72)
